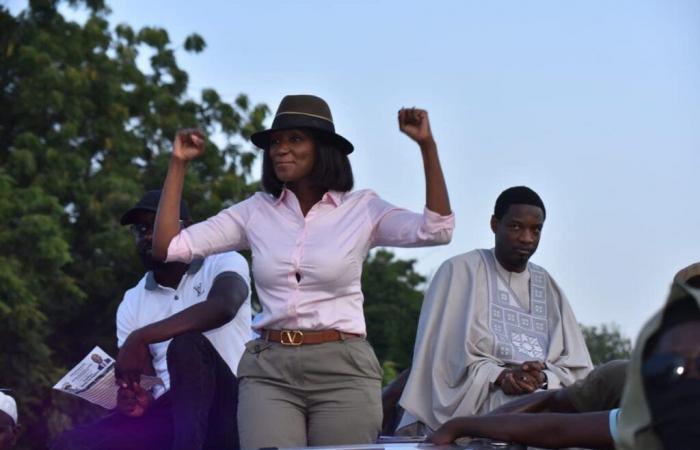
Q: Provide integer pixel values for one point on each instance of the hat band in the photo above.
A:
(304, 114)
(301, 120)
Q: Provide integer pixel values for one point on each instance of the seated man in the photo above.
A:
(9, 429)
(492, 326)
(187, 324)
(660, 404)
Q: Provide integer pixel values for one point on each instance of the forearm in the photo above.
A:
(167, 223)
(201, 317)
(546, 430)
(436, 197)
(228, 292)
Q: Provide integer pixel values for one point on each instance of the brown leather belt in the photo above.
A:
(305, 337)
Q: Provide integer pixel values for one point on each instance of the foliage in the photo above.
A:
(392, 306)
(606, 342)
(84, 130)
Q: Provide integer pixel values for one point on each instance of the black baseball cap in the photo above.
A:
(149, 202)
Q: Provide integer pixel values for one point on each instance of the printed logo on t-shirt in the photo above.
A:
(198, 289)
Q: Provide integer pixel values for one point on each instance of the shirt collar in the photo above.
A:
(279, 199)
(334, 197)
(152, 284)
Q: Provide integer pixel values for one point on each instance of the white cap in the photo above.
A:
(8, 406)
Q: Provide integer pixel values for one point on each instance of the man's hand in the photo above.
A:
(414, 123)
(510, 385)
(445, 435)
(531, 370)
(523, 379)
(132, 358)
(133, 401)
(188, 145)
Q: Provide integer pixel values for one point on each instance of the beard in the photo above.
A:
(148, 262)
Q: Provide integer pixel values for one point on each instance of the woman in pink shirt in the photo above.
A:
(312, 378)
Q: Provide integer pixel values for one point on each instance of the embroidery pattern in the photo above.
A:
(520, 335)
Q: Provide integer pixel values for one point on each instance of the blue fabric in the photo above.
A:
(612, 419)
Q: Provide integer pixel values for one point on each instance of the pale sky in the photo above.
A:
(594, 104)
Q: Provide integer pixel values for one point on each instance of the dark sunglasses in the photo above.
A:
(667, 368)
(141, 229)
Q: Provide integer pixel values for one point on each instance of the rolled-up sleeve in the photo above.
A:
(402, 228)
(220, 233)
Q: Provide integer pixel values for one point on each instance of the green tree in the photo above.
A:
(606, 342)
(392, 307)
(83, 132)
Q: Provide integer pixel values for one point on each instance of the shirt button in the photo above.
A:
(177, 298)
(298, 276)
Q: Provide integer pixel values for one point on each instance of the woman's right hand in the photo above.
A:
(189, 144)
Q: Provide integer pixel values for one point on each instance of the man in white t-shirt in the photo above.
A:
(187, 324)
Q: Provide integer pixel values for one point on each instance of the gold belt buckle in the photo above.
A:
(291, 337)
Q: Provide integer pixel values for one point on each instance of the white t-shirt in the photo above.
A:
(149, 302)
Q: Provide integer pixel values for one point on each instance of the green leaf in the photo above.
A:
(195, 43)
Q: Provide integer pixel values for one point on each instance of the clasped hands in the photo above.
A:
(522, 379)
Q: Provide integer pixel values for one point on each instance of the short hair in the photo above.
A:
(332, 170)
(517, 195)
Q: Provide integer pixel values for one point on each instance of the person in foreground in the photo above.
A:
(187, 324)
(9, 428)
(312, 378)
(659, 407)
(493, 326)
(661, 403)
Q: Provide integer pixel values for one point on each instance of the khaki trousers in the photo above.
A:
(309, 395)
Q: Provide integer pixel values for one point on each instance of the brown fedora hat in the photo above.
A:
(303, 111)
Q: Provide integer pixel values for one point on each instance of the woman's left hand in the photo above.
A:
(415, 124)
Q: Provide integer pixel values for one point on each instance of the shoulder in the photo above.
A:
(227, 262)
(250, 204)
(254, 201)
(538, 268)
(132, 297)
(459, 265)
(364, 201)
(612, 373)
(260, 197)
(471, 258)
(601, 389)
(362, 196)
(550, 279)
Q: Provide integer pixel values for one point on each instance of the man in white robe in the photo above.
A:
(493, 326)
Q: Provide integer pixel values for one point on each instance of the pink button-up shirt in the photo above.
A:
(307, 270)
